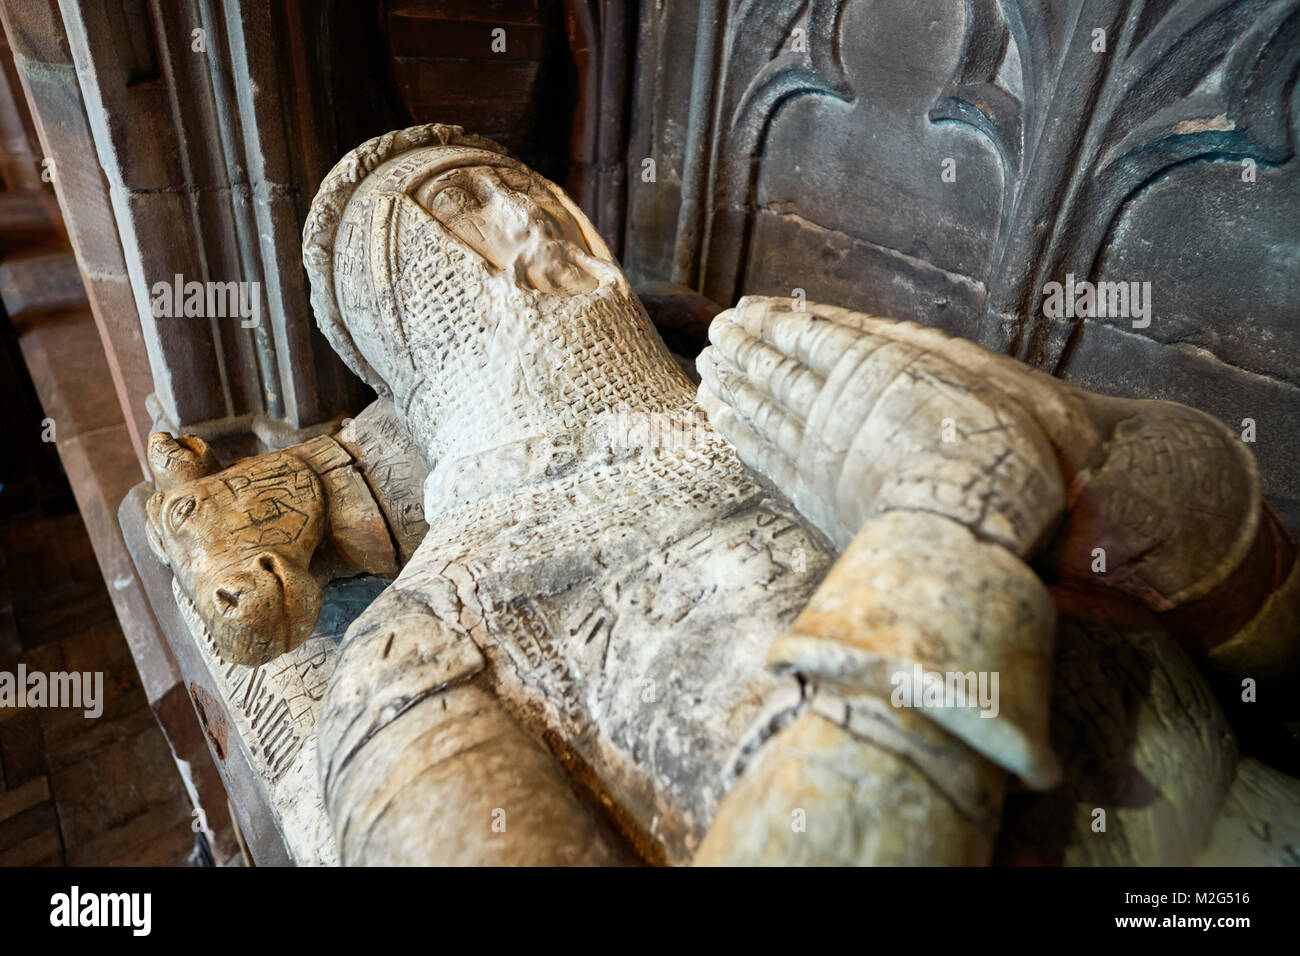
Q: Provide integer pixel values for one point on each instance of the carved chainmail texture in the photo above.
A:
(495, 362)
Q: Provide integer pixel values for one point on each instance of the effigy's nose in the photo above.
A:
(533, 214)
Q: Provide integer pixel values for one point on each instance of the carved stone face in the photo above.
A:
(239, 543)
(514, 221)
(476, 295)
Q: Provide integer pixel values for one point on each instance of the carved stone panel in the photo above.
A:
(947, 163)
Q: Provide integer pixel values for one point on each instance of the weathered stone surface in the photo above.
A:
(357, 530)
(860, 416)
(240, 542)
(269, 712)
(907, 158)
(392, 467)
(244, 542)
(917, 590)
(456, 777)
(573, 664)
(510, 356)
(617, 568)
(1256, 825)
(816, 796)
(1165, 494)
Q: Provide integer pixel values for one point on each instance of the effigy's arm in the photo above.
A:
(886, 774)
(856, 416)
(421, 763)
(931, 582)
(941, 469)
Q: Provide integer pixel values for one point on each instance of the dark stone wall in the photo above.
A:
(802, 145)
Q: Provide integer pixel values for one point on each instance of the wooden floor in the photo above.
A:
(78, 791)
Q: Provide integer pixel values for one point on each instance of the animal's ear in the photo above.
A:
(175, 461)
(153, 527)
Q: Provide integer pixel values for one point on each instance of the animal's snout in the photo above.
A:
(255, 587)
(259, 607)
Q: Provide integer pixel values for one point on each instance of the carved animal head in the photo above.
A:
(239, 542)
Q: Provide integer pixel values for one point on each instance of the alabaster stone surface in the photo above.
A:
(942, 466)
(597, 555)
(861, 417)
(637, 622)
(618, 587)
(251, 545)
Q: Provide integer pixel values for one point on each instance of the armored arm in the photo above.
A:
(943, 470)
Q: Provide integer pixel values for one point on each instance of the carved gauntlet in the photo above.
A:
(858, 416)
(942, 470)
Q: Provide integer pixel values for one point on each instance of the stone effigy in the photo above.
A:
(942, 469)
(631, 633)
(575, 586)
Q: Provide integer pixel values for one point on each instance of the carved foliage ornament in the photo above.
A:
(1178, 81)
